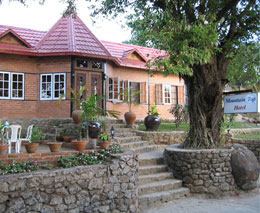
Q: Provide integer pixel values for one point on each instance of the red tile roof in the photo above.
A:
(70, 36)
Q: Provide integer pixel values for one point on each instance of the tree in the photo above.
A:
(245, 67)
(201, 37)
(24, 1)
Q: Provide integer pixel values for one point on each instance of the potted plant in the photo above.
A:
(77, 97)
(105, 140)
(129, 98)
(152, 121)
(33, 144)
(59, 136)
(55, 146)
(3, 146)
(81, 142)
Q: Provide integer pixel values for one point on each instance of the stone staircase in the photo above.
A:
(156, 184)
(128, 139)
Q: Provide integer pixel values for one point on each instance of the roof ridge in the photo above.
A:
(96, 39)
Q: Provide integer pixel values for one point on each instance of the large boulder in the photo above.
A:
(245, 167)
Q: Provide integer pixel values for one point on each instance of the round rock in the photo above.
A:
(245, 167)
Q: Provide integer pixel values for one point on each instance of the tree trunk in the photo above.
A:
(205, 90)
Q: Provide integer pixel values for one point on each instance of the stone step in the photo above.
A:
(148, 170)
(144, 179)
(132, 145)
(146, 149)
(122, 130)
(125, 134)
(159, 186)
(157, 198)
(116, 126)
(151, 158)
(122, 140)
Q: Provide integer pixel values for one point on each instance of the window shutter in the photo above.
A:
(181, 95)
(158, 93)
(174, 94)
(143, 93)
(126, 89)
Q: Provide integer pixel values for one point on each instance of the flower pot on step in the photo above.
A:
(3, 149)
(80, 145)
(54, 147)
(31, 147)
(130, 118)
(104, 144)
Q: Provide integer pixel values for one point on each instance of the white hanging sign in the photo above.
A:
(242, 103)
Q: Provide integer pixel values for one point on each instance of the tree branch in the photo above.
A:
(228, 6)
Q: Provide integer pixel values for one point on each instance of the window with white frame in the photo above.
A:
(167, 94)
(52, 86)
(11, 85)
(116, 88)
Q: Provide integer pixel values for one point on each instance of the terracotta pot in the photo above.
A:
(3, 149)
(104, 144)
(76, 115)
(59, 138)
(152, 122)
(67, 138)
(80, 145)
(31, 147)
(54, 147)
(130, 117)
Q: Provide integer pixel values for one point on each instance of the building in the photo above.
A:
(37, 67)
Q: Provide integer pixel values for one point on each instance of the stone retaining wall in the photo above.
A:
(98, 188)
(253, 145)
(245, 131)
(163, 138)
(202, 171)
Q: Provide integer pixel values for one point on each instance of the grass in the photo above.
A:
(248, 136)
(241, 125)
(168, 127)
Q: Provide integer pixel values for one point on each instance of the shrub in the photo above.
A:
(19, 167)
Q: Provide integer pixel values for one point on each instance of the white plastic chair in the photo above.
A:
(15, 138)
(28, 135)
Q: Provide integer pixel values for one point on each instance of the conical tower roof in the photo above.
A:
(70, 35)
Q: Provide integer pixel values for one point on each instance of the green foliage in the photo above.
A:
(180, 113)
(19, 167)
(167, 127)
(245, 67)
(91, 158)
(129, 97)
(104, 136)
(153, 110)
(36, 135)
(248, 136)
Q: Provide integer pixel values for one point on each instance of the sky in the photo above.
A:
(43, 17)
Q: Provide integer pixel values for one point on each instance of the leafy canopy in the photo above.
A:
(192, 31)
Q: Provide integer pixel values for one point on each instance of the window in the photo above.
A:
(53, 86)
(97, 65)
(169, 94)
(82, 63)
(113, 88)
(17, 86)
(11, 85)
(174, 94)
(116, 88)
(166, 94)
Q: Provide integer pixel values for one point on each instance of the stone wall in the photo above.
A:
(245, 131)
(98, 188)
(202, 171)
(46, 125)
(163, 138)
(253, 145)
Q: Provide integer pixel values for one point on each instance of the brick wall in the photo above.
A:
(137, 75)
(32, 106)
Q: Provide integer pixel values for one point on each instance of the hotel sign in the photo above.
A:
(243, 103)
